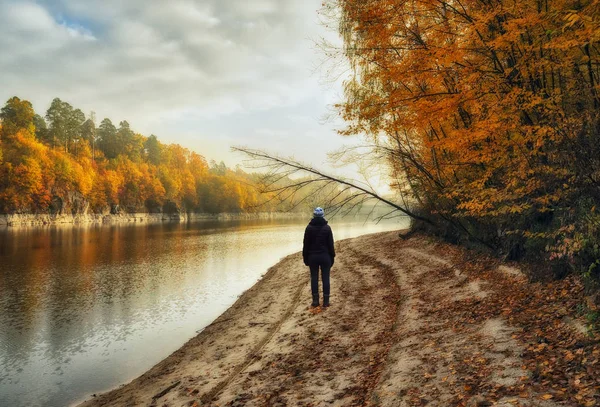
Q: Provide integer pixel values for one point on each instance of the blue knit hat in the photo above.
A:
(318, 212)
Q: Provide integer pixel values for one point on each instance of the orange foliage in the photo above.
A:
(488, 111)
(37, 176)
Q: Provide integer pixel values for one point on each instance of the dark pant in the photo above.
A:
(315, 261)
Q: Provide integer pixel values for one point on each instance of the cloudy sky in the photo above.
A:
(207, 74)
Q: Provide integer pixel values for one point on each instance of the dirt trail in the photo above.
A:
(406, 328)
(437, 360)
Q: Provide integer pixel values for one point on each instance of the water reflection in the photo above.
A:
(84, 309)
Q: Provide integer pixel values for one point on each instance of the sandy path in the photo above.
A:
(437, 359)
(399, 333)
(204, 363)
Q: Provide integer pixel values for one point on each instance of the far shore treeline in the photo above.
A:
(64, 163)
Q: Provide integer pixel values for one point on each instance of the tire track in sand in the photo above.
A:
(212, 394)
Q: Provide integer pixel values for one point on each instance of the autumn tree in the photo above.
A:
(487, 112)
(16, 115)
(56, 168)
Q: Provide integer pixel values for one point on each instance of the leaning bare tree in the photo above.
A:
(288, 180)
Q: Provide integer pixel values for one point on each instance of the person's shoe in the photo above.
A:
(315, 302)
(326, 301)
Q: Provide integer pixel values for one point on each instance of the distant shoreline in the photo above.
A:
(25, 220)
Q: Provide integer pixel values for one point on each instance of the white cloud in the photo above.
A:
(26, 16)
(206, 74)
(79, 32)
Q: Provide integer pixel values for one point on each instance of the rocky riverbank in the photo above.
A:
(413, 322)
(92, 218)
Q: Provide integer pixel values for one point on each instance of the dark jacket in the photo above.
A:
(318, 239)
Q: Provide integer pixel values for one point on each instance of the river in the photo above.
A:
(84, 309)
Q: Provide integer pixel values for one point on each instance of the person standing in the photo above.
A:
(318, 252)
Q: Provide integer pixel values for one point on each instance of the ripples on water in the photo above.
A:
(84, 309)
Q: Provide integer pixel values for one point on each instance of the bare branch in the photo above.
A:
(277, 164)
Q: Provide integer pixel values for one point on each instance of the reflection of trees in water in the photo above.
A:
(59, 286)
